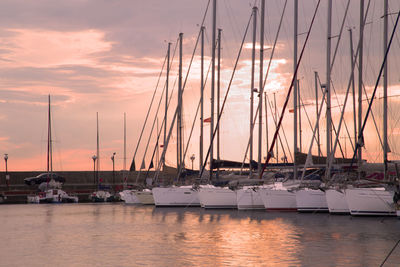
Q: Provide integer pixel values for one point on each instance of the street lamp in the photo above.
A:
(94, 157)
(112, 158)
(7, 176)
(192, 157)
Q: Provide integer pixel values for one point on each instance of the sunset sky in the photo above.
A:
(105, 56)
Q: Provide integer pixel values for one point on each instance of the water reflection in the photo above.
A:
(119, 235)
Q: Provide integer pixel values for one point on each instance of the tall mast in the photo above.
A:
(353, 86)
(299, 107)
(49, 143)
(179, 121)
(98, 145)
(214, 25)
(385, 81)
(218, 94)
(253, 60)
(328, 91)
(360, 82)
(201, 98)
(124, 141)
(261, 89)
(316, 111)
(295, 89)
(166, 94)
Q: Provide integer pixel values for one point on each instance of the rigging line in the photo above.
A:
(161, 128)
(148, 111)
(162, 158)
(194, 121)
(283, 131)
(340, 34)
(360, 134)
(289, 91)
(155, 116)
(151, 131)
(390, 253)
(308, 118)
(248, 143)
(226, 95)
(333, 125)
(372, 114)
(344, 121)
(273, 48)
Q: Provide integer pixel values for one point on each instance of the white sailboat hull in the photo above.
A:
(145, 197)
(249, 199)
(183, 196)
(217, 198)
(370, 201)
(311, 200)
(336, 201)
(278, 199)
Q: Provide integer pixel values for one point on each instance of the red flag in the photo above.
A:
(291, 110)
(161, 145)
(207, 120)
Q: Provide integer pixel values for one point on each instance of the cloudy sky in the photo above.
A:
(105, 56)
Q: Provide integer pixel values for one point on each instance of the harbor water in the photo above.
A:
(123, 235)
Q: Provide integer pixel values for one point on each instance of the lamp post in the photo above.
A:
(7, 175)
(94, 157)
(112, 158)
(192, 157)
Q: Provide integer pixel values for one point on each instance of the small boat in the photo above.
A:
(311, 200)
(52, 196)
(101, 196)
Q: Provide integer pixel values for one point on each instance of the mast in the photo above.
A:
(316, 110)
(328, 91)
(360, 76)
(353, 86)
(214, 25)
(124, 141)
(276, 119)
(201, 98)
(295, 176)
(299, 106)
(179, 121)
(385, 81)
(49, 143)
(98, 147)
(166, 94)
(218, 94)
(261, 89)
(266, 119)
(253, 59)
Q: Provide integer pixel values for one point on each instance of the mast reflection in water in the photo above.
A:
(118, 235)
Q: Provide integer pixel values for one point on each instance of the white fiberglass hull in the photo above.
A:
(370, 201)
(249, 199)
(217, 198)
(278, 199)
(182, 196)
(336, 201)
(145, 197)
(129, 197)
(311, 200)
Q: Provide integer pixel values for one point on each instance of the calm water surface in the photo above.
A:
(120, 235)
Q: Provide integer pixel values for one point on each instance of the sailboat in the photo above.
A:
(379, 199)
(100, 195)
(51, 190)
